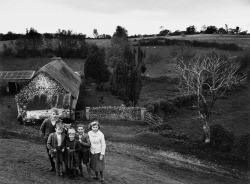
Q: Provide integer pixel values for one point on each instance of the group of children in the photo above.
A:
(69, 148)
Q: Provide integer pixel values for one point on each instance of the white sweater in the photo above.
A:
(97, 141)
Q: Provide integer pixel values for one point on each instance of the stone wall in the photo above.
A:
(115, 113)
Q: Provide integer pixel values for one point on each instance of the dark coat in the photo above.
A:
(53, 144)
(85, 144)
(47, 128)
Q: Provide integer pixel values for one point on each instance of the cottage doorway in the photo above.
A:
(12, 87)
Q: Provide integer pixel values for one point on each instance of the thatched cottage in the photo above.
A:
(54, 85)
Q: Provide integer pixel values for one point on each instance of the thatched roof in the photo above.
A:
(64, 75)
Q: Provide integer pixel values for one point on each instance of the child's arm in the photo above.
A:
(86, 143)
(64, 144)
(49, 142)
(43, 127)
(103, 143)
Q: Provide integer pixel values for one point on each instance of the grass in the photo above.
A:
(13, 64)
(100, 42)
(241, 40)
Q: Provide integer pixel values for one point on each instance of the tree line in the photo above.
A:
(204, 30)
(33, 32)
(64, 43)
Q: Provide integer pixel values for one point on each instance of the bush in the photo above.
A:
(221, 138)
(174, 134)
(103, 87)
(242, 148)
(159, 128)
(7, 51)
(166, 130)
(170, 106)
(184, 101)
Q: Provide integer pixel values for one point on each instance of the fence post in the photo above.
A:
(87, 113)
(143, 111)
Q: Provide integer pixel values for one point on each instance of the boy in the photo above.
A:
(84, 153)
(48, 126)
(56, 146)
(72, 154)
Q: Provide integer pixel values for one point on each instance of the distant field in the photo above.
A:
(100, 42)
(13, 64)
(241, 40)
(166, 67)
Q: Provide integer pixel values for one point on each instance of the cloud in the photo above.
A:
(125, 6)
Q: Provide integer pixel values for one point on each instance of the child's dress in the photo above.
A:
(72, 154)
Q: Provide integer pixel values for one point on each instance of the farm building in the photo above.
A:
(53, 85)
(13, 81)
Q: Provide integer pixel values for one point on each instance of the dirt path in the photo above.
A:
(23, 161)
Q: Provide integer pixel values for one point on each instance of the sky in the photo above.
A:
(136, 16)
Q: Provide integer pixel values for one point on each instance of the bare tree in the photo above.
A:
(208, 78)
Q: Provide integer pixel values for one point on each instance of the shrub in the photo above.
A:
(7, 51)
(221, 138)
(174, 134)
(184, 101)
(241, 148)
(159, 128)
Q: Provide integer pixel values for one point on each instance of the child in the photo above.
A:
(48, 126)
(84, 154)
(97, 149)
(56, 146)
(72, 154)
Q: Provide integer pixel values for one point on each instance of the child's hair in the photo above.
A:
(55, 110)
(59, 124)
(71, 131)
(93, 123)
(81, 125)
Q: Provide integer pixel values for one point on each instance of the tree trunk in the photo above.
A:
(206, 129)
(205, 114)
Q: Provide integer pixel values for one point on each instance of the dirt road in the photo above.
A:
(22, 161)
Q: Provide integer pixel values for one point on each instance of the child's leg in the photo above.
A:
(102, 177)
(88, 170)
(96, 175)
(101, 173)
(70, 173)
(80, 165)
(56, 166)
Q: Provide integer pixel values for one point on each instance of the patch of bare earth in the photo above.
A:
(22, 161)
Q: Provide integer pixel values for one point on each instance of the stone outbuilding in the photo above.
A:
(13, 81)
(53, 85)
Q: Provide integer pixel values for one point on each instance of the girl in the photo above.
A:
(97, 149)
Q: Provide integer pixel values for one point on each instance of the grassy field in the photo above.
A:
(241, 40)
(100, 42)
